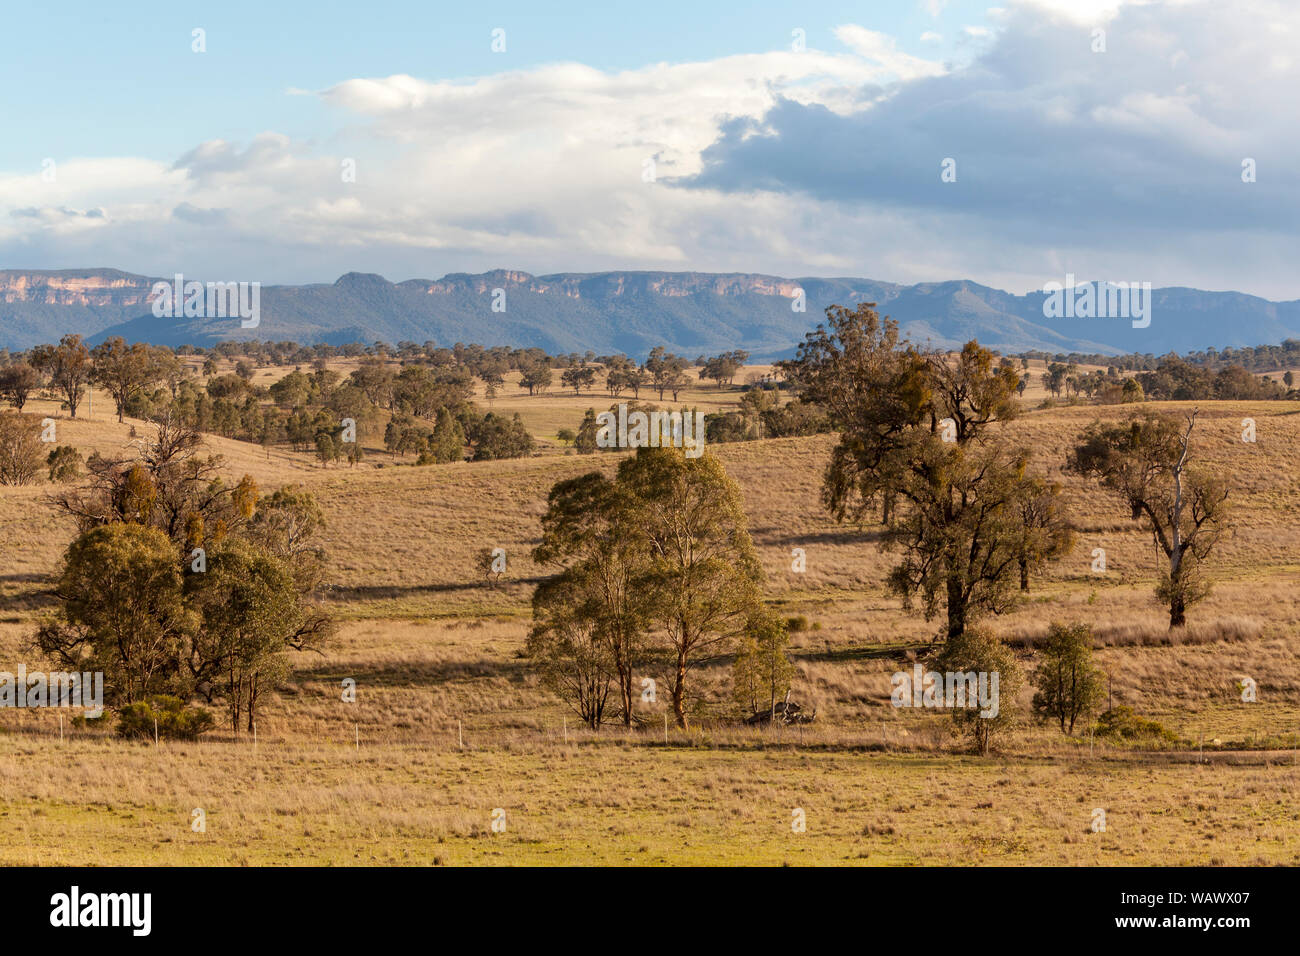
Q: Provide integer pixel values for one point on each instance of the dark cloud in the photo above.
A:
(1050, 138)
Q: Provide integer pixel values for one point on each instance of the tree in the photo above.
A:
(723, 368)
(590, 531)
(495, 437)
(20, 449)
(1054, 377)
(327, 448)
(1045, 532)
(536, 377)
(251, 613)
(67, 366)
(169, 486)
(918, 440)
(568, 644)
(977, 651)
(666, 371)
(124, 370)
(585, 441)
(701, 582)
(122, 611)
(621, 374)
(762, 671)
(1146, 462)
(578, 377)
(17, 382)
(447, 442)
(1068, 684)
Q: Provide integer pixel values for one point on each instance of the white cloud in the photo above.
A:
(541, 169)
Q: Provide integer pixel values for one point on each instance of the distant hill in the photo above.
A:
(688, 312)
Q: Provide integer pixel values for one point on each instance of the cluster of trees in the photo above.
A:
(656, 572)
(723, 368)
(762, 415)
(1258, 358)
(1172, 379)
(66, 371)
(922, 449)
(968, 514)
(921, 446)
(180, 584)
(23, 456)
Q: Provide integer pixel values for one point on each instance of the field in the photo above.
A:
(450, 722)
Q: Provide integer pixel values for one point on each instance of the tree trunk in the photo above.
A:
(679, 692)
(1177, 606)
(956, 608)
(625, 691)
(1024, 573)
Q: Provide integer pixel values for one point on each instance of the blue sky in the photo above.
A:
(77, 63)
(657, 136)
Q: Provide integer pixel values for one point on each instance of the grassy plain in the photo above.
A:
(450, 723)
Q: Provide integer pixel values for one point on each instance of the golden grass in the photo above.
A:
(430, 645)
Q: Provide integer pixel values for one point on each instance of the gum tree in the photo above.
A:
(1147, 462)
(701, 581)
(920, 437)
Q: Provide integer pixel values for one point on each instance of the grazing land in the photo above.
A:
(451, 721)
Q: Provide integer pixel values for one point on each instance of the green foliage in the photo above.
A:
(64, 463)
(585, 441)
(918, 441)
(1146, 461)
(170, 717)
(122, 611)
(1121, 723)
(975, 649)
(762, 670)
(569, 644)
(496, 437)
(1069, 686)
(658, 561)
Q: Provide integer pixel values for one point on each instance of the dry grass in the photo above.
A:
(429, 646)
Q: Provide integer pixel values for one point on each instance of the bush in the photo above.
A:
(1123, 724)
(20, 448)
(175, 719)
(977, 650)
(64, 463)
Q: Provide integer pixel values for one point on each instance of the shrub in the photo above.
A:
(20, 448)
(977, 650)
(64, 463)
(1123, 724)
(175, 719)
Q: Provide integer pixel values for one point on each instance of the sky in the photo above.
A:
(908, 141)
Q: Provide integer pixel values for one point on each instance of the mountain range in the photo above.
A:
(690, 313)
